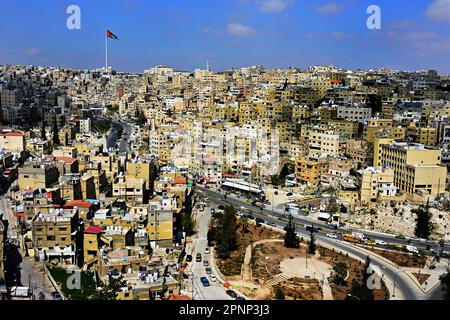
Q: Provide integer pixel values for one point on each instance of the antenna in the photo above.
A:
(207, 65)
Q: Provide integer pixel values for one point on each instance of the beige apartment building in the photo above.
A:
(377, 182)
(417, 169)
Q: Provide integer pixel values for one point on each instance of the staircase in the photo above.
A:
(279, 278)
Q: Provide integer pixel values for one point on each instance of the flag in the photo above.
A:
(111, 35)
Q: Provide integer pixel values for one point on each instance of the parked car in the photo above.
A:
(370, 242)
(259, 220)
(56, 295)
(212, 278)
(249, 216)
(221, 207)
(206, 250)
(208, 270)
(204, 281)
(240, 298)
(213, 211)
(205, 263)
(189, 258)
(231, 293)
(289, 194)
(400, 236)
(198, 257)
(272, 224)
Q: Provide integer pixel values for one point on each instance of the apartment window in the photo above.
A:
(51, 238)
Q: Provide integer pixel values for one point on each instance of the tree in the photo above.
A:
(312, 242)
(279, 294)
(109, 291)
(332, 205)
(290, 238)
(43, 134)
(423, 221)
(339, 273)
(141, 118)
(55, 133)
(225, 233)
(188, 224)
(445, 281)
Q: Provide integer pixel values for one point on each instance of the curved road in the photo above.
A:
(405, 287)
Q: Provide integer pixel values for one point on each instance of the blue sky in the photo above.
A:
(230, 33)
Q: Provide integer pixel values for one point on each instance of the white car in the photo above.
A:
(332, 235)
(206, 250)
(381, 242)
(412, 249)
(212, 278)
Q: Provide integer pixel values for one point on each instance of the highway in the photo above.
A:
(275, 216)
(394, 277)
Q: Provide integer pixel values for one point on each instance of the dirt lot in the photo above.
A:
(232, 266)
(402, 259)
(300, 289)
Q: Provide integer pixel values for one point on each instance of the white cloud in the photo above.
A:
(328, 8)
(32, 51)
(272, 6)
(439, 10)
(240, 30)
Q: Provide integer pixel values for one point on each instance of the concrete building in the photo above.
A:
(417, 169)
(377, 182)
(13, 142)
(37, 175)
(361, 115)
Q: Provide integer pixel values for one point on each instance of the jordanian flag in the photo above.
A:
(111, 35)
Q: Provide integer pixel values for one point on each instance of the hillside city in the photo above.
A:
(246, 184)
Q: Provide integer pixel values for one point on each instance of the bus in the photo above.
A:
(351, 238)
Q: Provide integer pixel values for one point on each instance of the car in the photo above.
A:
(213, 211)
(198, 257)
(400, 237)
(208, 270)
(231, 293)
(275, 193)
(212, 278)
(189, 258)
(205, 263)
(272, 224)
(204, 281)
(289, 194)
(332, 235)
(370, 242)
(249, 216)
(56, 295)
(239, 214)
(239, 298)
(206, 250)
(221, 207)
(412, 249)
(259, 220)
(381, 242)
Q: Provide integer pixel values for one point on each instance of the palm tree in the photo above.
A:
(339, 273)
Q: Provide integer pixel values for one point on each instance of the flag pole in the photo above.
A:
(106, 50)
